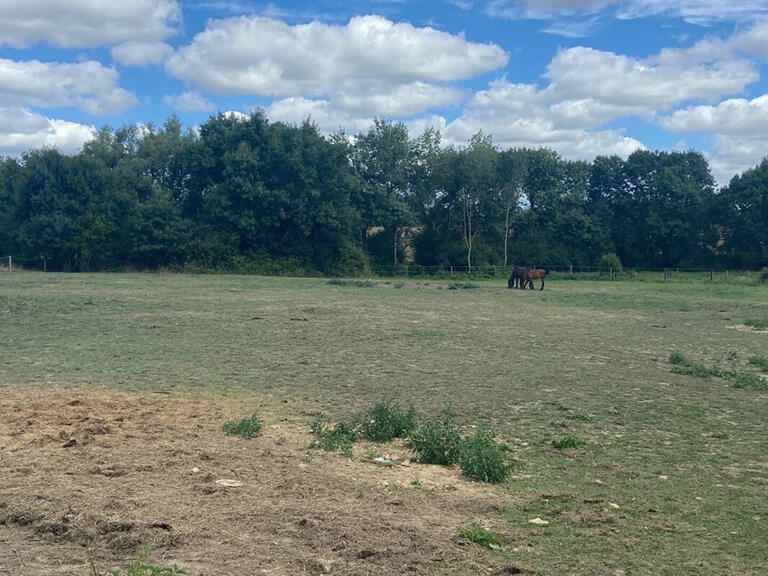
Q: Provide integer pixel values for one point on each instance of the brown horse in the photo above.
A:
(516, 279)
(532, 274)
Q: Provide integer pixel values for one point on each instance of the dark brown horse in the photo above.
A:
(532, 274)
(516, 279)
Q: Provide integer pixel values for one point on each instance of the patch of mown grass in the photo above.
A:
(385, 421)
(482, 458)
(567, 441)
(248, 427)
(461, 286)
(477, 534)
(436, 441)
(351, 283)
(141, 567)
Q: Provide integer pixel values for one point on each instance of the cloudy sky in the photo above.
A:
(584, 77)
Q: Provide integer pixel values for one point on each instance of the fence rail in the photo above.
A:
(12, 263)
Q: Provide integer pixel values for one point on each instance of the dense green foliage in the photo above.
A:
(248, 427)
(271, 197)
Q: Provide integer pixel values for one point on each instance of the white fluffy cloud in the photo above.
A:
(260, 56)
(190, 102)
(740, 129)
(521, 115)
(694, 11)
(668, 78)
(141, 54)
(736, 117)
(81, 23)
(323, 113)
(88, 86)
(22, 129)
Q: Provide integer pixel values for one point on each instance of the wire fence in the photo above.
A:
(573, 273)
(12, 263)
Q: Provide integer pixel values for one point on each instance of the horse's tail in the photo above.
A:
(546, 270)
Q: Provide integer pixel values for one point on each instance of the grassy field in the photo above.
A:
(672, 477)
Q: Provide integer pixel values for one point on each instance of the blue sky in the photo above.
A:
(583, 77)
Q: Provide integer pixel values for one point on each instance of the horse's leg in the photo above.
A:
(530, 283)
(542, 283)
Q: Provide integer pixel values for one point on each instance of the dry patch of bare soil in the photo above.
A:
(114, 470)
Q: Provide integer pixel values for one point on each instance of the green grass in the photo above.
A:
(588, 358)
(141, 567)
(477, 534)
(760, 361)
(248, 427)
(758, 323)
(567, 441)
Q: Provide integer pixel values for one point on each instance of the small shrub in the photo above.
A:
(140, 567)
(749, 380)
(386, 421)
(757, 323)
(567, 441)
(608, 261)
(435, 441)
(476, 534)
(248, 427)
(340, 437)
(482, 458)
(679, 359)
(399, 284)
(760, 361)
(763, 274)
(461, 286)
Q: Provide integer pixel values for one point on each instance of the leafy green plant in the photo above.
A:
(476, 534)
(758, 323)
(248, 427)
(141, 567)
(436, 441)
(749, 380)
(482, 458)
(566, 441)
(339, 437)
(682, 365)
(759, 361)
(385, 421)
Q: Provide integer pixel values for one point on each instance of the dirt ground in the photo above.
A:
(111, 471)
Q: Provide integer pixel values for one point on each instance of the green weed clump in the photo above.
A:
(757, 323)
(339, 437)
(683, 365)
(476, 534)
(749, 380)
(248, 427)
(385, 421)
(482, 458)
(436, 441)
(567, 441)
(759, 361)
(140, 567)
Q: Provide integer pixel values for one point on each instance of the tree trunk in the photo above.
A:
(467, 213)
(394, 260)
(506, 231)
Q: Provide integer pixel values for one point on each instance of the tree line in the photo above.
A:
(251, 194)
